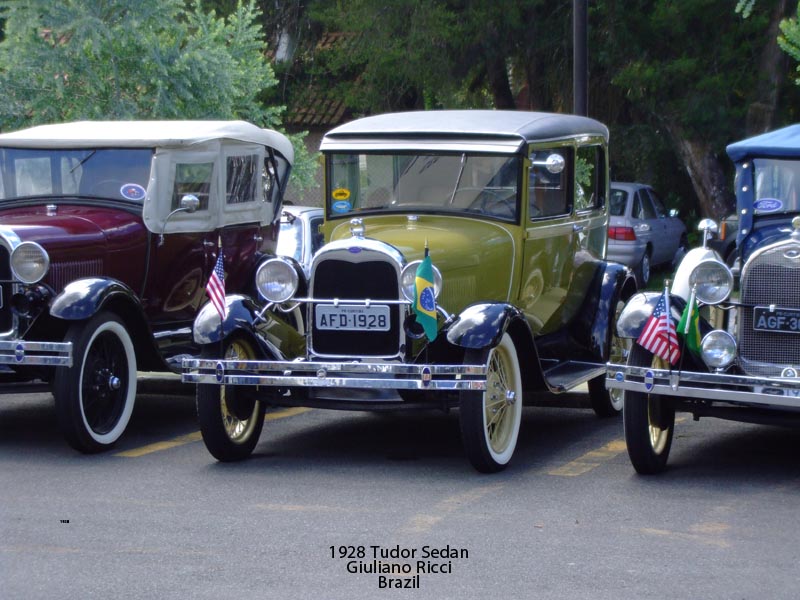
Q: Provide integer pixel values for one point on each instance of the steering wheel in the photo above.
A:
(495, 203)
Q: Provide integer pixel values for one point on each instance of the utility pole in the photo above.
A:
(580, 57)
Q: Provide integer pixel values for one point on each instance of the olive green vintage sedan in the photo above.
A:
(464, 267)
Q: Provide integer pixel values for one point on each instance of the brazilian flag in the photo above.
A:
(425, 303)
(689, 325)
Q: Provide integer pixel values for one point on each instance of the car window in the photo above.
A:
(616, 204)
(195, 179)
(776, 185)
(658, 205)
(460, 182)
(317, 239)
(547, 191)
(242, 179)
(646, 211)
(589, 184)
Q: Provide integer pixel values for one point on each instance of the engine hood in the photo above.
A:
(475, 257)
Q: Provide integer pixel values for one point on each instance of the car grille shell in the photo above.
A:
(771, 276)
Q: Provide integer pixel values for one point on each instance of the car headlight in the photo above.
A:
(712, 281)
(277, 280)
(29, 262)
(409, 276)
(718, 349)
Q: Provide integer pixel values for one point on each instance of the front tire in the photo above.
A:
(95, 396)
(605, 402)
(649, 420)
(490, 420)
(230, 421)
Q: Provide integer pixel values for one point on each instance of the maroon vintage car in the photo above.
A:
(109, 232)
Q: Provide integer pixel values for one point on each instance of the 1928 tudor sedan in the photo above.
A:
(737, 356)
(108, 234)
(464, 269)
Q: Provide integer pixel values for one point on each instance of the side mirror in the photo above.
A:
(708, 227)
(189, 204)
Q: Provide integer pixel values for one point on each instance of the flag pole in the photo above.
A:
(668, 317)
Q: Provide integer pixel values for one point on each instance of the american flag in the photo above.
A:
(658, 335)
(215, 288)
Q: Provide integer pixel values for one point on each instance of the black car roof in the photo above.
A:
(470, 124)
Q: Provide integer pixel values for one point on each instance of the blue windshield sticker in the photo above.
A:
(768, 205)
(342, 206)
(132, 191)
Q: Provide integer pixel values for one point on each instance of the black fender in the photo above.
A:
(615, 282)
(482, 325)
(82, 298)
(639, 308)
(274, 337)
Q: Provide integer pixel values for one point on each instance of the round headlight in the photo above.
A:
(409, 276)
(718, 349)
(29, 262)
(277, 280)
(712, 280)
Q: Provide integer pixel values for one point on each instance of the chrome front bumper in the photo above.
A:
(715, 387)
(391, 376)
(50, 354)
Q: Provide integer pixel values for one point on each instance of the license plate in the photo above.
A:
(352, 318)
(783, 320)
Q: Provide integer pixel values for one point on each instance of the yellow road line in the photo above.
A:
(590, 460)
(197, 436)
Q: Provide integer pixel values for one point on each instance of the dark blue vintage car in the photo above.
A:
(740, 360)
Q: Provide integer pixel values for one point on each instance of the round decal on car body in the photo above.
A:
(767, 205)
(132, 191)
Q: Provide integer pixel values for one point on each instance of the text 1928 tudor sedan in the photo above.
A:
(465, 268)
(108, 234)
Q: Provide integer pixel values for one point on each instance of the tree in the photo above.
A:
(150, 59)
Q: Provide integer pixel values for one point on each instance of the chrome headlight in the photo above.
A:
(718, 349)
(712, 280)
(277, 280)
(409, 276)
(29, 262)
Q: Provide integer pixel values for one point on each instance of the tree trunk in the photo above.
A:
(772, 69)
(706, 173)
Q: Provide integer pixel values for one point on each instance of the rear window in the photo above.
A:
(616, 205)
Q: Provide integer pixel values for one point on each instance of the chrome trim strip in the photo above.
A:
(52, 354)
(678, 383)
(335, 374)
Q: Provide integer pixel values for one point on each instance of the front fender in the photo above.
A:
(482, 325)
(83, 298)
(639, 308)
(274, 336)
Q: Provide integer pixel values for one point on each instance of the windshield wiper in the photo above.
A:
(83, 160)
(458, 179)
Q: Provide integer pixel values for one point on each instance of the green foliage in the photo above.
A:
(790, 40)
(151, 59)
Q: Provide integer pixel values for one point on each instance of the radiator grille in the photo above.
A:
(772, 277)
(376, 280)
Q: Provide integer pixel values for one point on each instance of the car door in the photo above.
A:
(672, 227)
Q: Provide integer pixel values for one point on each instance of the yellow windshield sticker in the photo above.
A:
(340, 194)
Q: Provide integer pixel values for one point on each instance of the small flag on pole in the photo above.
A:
(689, 325)
(658, 335)
(215, 288)
(425, 303)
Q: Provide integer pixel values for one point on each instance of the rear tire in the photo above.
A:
(649, 420)
(643, 270)
(230, 419)
(490, 419)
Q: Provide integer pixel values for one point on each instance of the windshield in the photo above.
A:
(450, 183)
(777, 186)
(99, 173)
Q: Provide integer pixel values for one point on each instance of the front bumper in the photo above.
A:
(714, 387)
(50, 354)
(386, 376)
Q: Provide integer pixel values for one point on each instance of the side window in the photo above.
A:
(192, 179)
(241, 179)
(589, 178)
(636, 210)
(317, 239)
(548, 192)
(647, 206)
(660, 210)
